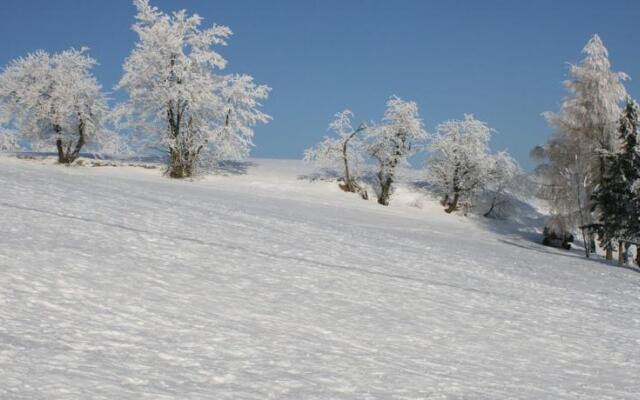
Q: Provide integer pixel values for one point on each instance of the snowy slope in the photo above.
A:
(119, 283)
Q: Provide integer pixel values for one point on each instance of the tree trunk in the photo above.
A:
(493, 205)
(79, 144)
(59, 145)
(385, 189)
(609, 249)
(68, 156)
(180, 164)
(586, 243)
(350, 184)
(585, 236)
(347, 175)
(180, 160)
(453, 204)
(61, 158)
(445, 200)
(627, 247)
(620, 254)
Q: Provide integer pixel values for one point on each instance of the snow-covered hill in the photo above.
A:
(119, 283)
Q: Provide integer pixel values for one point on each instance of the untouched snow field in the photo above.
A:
(119, 283)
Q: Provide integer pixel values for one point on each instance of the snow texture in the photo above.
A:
(118, 283)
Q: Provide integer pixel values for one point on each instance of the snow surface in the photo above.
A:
(119, 283)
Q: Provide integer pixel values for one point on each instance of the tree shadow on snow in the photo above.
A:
(231, 167)
(91, 156)
(324, 174)
(159, 160)
(522, 220)
(519, 220)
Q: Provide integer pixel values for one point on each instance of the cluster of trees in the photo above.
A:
(178, 101)
(460, 166)
(389, 144)
(588, 168)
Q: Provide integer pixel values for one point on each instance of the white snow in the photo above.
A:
(118, 283)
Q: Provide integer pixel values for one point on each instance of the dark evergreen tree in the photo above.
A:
(614, 202)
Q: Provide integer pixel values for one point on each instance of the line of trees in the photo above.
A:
(178, 101)
(459, 168)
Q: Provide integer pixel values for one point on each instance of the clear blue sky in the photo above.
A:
(503, 61)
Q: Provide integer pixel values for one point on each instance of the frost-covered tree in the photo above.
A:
(177, 99)
(573, 160)
(459, 161)
(53, 99)
(617, 214)
(503, 178)
(342, 152)
(391, 143)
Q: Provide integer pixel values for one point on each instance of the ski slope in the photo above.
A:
(118, 283)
